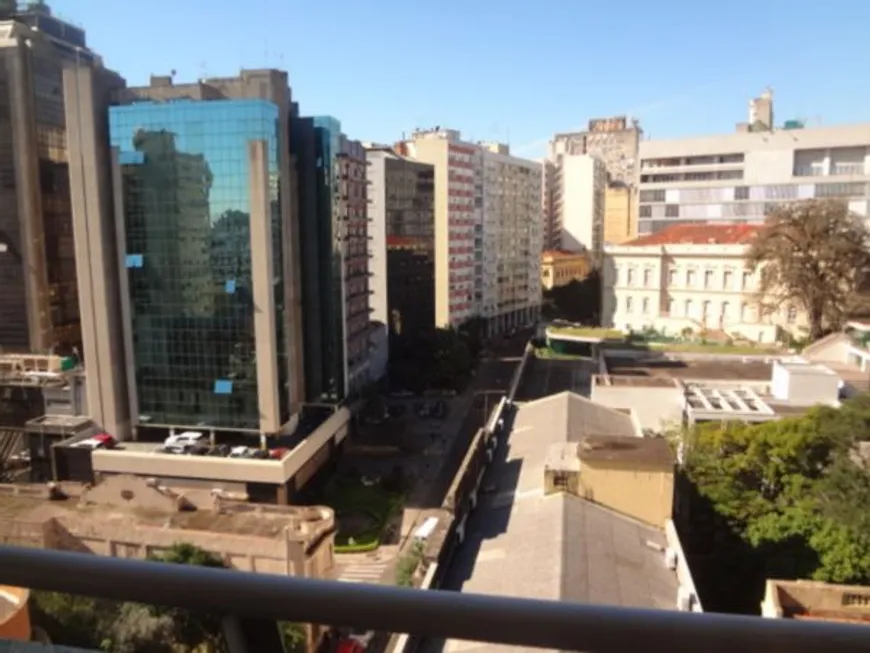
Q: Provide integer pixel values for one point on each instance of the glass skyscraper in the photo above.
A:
(194, 202)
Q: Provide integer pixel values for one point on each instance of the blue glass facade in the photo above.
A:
(187, 219)
(315, 144)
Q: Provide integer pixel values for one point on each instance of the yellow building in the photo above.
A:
(620, 224)
(559, 268)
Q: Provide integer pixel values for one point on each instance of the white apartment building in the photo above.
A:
(691, 277)
(487, 230)
(740, 177)
(512, 238)
(581, 182)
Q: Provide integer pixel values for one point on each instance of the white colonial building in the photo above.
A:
(691, 277)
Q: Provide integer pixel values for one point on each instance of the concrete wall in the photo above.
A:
(15, 625)
(644, 494)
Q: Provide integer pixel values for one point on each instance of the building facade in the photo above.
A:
(352, 214)
(39, 302)
(692, 279)
(613, 140)
(402, 214)
(581, 181)
(740, 177)
(458, 220)
(559, 268)
(193, 180)
(333, 223)
(485, 199)
(620, 214)
(510, 278)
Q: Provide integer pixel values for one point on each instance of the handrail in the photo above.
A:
(502, 620)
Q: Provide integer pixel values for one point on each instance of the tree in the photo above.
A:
(815, 255)
(789, 490)
(577, 301)
(191, 629)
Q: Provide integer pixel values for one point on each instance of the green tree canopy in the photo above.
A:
(815, 255)
(791, 490)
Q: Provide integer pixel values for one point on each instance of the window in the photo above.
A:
(630, 277)
(688, 312)
(727, 279)
(744, 312)
(672, 276)
(672, 210)
(708, 278)
(560, 481)
(647, 278)
(652, 195)
(644, 305)
(747, 279)
(706, 309)
(690, 278)
(672, 307)
(791, 316)
(741, 193)
(628, 304)
(645, 211)
(726, 309)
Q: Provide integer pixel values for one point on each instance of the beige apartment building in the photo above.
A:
(487, 230)
(691, 278)
(740, 177)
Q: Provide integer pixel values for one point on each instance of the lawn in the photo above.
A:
(587, 332)
(714, 348)
(363, 512)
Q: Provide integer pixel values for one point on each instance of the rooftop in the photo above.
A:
(562, 254)
(698, 234)
(629, 449)
(559, 546)
(724, 368)
(806, 599)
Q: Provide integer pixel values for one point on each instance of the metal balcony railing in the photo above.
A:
(438, 614)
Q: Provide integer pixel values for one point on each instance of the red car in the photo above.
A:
(99, 441)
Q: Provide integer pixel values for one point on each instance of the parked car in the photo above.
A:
(240, 452)
(221, 450)
(101, 441)
(183, 442)
(279, 453)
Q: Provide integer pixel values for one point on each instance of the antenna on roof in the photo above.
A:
(203, 70)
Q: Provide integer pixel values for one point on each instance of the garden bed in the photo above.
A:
(363, 513)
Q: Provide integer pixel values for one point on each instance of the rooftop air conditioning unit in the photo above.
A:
(685, 599)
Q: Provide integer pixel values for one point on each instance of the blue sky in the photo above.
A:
(512, 70)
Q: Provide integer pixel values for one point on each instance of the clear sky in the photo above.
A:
(511, 70)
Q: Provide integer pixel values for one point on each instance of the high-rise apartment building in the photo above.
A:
(740, 177)
(194, 181)
(39, 302)
(551, 236)
(581, 182)
(511, 274)
(484, 199)
(612, 141)
(458, 221)
(333, 225)
(402, 227)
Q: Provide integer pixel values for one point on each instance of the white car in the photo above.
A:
(181, 442)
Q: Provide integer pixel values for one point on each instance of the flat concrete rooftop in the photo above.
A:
(719, 369)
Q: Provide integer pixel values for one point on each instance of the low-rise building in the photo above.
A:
(815, 601)
(575, 508)
(560, 267)
(692, 279)
(666, 391)
(132, 517)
